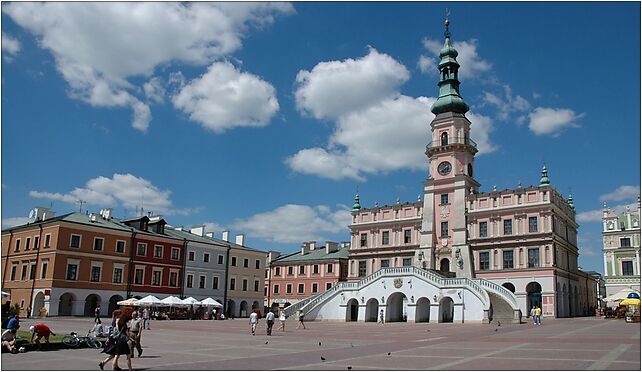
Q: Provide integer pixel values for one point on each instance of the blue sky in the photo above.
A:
(265, 118)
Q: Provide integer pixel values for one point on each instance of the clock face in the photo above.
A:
(444, 168)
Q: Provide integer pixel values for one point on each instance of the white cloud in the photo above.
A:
(225, 98)
(98, 46)
(10, 47)
(334, 88)
(293, 223)
(480, 129)
(154, 90)
(125, 190)
(472, 65)
(507, 104)
(595, 215)
(622, 193)
(14, 221)
(545, 121)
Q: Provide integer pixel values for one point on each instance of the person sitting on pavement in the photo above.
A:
(98, 330)
(40, 330)
(9, 340)
(14, 322)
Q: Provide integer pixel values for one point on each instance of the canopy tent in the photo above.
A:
(172, 301)
(621, 295)
(191, 301)
(5, 294)
(631, 301)
(211, 302)
(148, 301)
(129, 302)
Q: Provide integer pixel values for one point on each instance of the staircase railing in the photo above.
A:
(500, 290)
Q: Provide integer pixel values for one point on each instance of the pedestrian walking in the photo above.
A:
(381, 318)
(269, 319)
(135, 330)
(533, 315)
(28, 312)
(146, 318)
(254, 320)
(538, 315)
(282, 320)
(40, 330)
(118, 342)
(97, 314)
(301, 316)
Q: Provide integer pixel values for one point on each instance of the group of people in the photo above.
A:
(536, 313)
(124, 337)
(270, 318)
(38, 331)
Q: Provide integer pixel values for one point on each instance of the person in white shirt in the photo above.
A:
(254, 320)
(282, 320)
(269, 319)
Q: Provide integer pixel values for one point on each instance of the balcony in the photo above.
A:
(451, 142)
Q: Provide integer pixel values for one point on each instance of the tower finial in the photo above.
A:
(544, 181)
(570, 198)
(357, 205)
(447, 23)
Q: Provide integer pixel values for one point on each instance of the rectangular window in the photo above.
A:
(233, 261)
(256, 286)
(14, 268)
(315, 288)
(206, 257)
(330, 267)
(201, 282)
(246, 262)
(508, 227)
(407, 236)
(47, 240)
(533, 257)
(220, 259)
(43, 269)
(301, 270)
(158, 251)
(120, 246)
(532, 224)
(407, 261)
(257, 264)
(215, 282)
(444, 229)
(17, 247)
(74, 242)
(625, 242)
(173, 279)
(483, 229)
(23, 272)
(32, 271)
(301, 288)
(142, 249)
(484, 260)
(36, 242)
(627, 268)
(175, 253)
(315, 269)
(190, 280)
(156, 277)
(232, 284)
(362, 268)
(28, 244)
(363, 242)
(328, 286)
(190, 256)
(385, 263)
(508, 259)
(290, 270)
(276, 289)
(385, 238)
(118, 275)
(72, 271)
(277, 271)
(98, 244)
(95, 274)
(444, 198)
(288, 288)
(139, 274)
(245, 284)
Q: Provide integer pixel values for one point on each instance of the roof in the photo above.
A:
(314, 255)
(189, 236)
(80, 218)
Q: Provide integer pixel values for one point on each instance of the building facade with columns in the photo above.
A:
(621, 238)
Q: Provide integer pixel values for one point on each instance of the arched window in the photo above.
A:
(444, 138)
(470, 169)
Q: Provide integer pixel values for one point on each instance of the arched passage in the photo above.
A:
(66, 304)
(422, 310)
(533, 295)
(113, 303)
(372, 309)
(510, 286)
(38, 303)
(231, 308)
(446, 310)
(91, 302)
(396, 307)
(444, 264)
(352, 310)
(244, 309)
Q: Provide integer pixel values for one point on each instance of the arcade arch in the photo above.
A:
(396, 307)
(352, 310)
(446, 310)
(422, 310)
(372, 310)
(66, 304)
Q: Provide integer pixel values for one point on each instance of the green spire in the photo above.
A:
(544, 181)
(356, 205)
(449, 99)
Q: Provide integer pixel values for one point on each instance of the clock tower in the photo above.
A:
(451, 155)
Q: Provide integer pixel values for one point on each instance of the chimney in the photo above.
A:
(305, 248)
(240, 239)
(226, 236)
(313, 245)
(198, 230)
(331, 247)
(105, 213)
(210, 235)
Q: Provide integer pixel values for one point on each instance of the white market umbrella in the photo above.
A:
(147, 301)
(5, 294)
(172, 301)
(621, 295)
(211, 302)
(191, 301)
(128, 302)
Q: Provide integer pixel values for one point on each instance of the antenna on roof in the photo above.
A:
(81, 202)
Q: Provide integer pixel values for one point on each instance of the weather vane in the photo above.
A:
(447, 23)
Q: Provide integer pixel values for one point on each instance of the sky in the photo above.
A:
(266, 118)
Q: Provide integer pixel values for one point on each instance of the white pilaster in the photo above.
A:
(636, 264)
(613, 272)
(605, 266)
